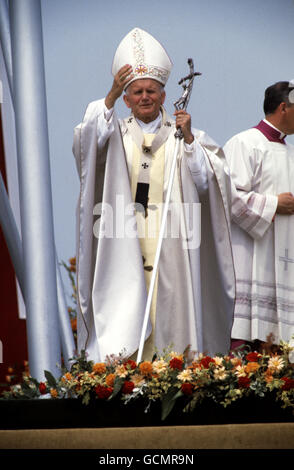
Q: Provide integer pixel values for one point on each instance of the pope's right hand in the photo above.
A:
(123, 76)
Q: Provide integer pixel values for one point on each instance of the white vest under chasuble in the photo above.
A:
(262, 240)
(148, 231)
(145, 156)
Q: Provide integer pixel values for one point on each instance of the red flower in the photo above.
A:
(288, 383)
(128, 387)
(187, 388)
(206, 361)
(176, 363)
(253, 357)
(131, 363)
(244, 382)
(103, 392)
(42, 388)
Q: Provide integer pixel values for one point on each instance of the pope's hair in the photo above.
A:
(160, 85)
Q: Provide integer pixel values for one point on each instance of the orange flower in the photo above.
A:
(110, 380)
(236, 361)
(74, 324)
(196, 365)
(251, 367)
(146, 368)
(99, 368)
(268, 376)
(53, 393)
(72, 261)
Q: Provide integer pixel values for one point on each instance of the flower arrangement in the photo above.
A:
(168, 377)
(224, 379)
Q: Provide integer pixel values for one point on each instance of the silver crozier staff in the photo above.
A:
(180, 104)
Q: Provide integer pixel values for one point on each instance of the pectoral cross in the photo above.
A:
(286, 259)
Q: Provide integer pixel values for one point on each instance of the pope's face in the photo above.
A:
(144, 97)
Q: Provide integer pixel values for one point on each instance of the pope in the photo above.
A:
(124, 167)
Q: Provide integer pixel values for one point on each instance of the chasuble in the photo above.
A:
(123, 177)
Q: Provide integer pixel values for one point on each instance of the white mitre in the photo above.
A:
(145, 54)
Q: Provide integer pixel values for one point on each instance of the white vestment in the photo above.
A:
(196, 287)
(262, 240)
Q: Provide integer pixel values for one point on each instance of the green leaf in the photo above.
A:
(50, 379)
(169, 401)
(86, 398)
(117, 386)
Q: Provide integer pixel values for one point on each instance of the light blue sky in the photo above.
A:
(240, 46)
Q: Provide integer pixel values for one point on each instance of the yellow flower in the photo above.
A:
(185, 375)
(99, 368)
(159, 366)
(276, 363)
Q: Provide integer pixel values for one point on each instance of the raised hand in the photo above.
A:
(123, 76)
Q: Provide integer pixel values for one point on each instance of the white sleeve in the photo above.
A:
(196, 163)
(105, 126)
(251, 210)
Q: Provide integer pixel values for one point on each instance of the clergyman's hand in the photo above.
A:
(183, 120)
(285, 204)
(123, 76)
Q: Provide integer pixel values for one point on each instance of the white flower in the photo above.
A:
(174, 354)
(220, 373)
(121, 371)
(240, 371)
(218, 360)
(159, 366)
(185, 375)
(276, 363)
(138, 380)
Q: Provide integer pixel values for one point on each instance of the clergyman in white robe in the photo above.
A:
(195, 291)
(262, 167)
